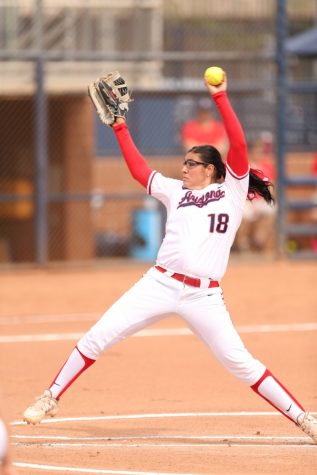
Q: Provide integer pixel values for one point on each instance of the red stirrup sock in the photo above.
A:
(76, 364)
(275, 394)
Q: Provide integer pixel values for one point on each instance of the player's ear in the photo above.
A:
(211, 170)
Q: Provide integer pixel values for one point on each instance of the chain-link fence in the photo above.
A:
(65, 193)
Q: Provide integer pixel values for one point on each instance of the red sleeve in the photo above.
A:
(237, 158)
(137, 165)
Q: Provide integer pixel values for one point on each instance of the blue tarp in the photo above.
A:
(304, 44)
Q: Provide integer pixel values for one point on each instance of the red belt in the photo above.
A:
(188, 280)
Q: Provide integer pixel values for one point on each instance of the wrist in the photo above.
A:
(120, 120)
(218, 94)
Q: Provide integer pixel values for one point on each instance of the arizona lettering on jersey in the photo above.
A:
(190, 199)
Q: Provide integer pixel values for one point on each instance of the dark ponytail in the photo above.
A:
(259, 185)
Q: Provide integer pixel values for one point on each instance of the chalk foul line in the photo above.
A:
(154, 416)
(55, 468)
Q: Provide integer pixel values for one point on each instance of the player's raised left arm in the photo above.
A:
(237, 158)
(110, 96)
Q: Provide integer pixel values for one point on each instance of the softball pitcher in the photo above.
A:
(204, 211)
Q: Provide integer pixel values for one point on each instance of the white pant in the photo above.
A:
(154, 297)
(3, 441)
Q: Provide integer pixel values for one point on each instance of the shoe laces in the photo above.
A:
(45, 401)
(308, 422)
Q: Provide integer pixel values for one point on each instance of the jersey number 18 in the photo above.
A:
(218, 223)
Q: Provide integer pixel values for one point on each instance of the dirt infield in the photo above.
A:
(158, 403)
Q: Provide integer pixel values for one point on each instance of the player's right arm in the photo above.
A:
(137, 165)
(157, 185)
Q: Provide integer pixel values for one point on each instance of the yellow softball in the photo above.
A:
(214, 75)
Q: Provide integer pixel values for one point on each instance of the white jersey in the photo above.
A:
(201, 224)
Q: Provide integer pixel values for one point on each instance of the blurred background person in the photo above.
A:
(257, 230)
(204, 129)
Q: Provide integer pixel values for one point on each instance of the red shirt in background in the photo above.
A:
(203, 134)
(314, 165)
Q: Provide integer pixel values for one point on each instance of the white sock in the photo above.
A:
(271, 390)
(74, 366)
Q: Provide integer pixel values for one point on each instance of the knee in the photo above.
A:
(91, 346)
(98, 339)
(244, 366)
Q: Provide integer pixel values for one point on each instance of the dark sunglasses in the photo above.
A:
(193, 164)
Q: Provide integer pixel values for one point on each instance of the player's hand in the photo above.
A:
(214, 89)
